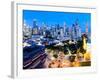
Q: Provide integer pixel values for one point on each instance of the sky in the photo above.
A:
(52, 18)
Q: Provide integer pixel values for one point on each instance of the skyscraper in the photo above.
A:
(78, 30)
(27, 31)
(86, 29)
(35, 27)
(73, 32)
(64, 28)
(44, 29)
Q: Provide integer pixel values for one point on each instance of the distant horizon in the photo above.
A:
(52, 18)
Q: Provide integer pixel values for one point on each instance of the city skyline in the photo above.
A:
(56, 39)
(51, 18)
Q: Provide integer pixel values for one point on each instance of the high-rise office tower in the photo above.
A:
(78, 30)
(44, 27)
(73, 32)
(86, 29)
(35, 27)
(64, 27)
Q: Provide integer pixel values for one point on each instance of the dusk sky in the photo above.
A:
(52, 18)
